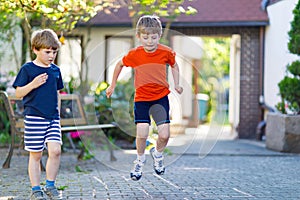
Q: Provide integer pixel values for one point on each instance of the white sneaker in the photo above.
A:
(158, 162)
(137, 171)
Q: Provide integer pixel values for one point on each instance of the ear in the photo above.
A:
(34, 50)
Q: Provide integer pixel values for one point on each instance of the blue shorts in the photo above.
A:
(39, 131)
(159, 109)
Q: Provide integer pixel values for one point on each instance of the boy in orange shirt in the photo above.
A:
(149, 62)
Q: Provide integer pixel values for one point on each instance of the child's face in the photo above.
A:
(45, 56)
(149, 41)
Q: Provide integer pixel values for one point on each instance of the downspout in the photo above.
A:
(261, 68)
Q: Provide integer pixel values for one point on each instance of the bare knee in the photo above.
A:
(142, 130)
(54, 150)
(36, 156)
(163, 137)
(163, 132)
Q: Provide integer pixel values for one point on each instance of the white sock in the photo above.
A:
(157, 153)
(141, 158)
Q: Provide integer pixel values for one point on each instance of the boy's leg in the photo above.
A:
(54, 143)
(34, 143)
(157, 152)
(53, 162)
(163, 137)
(142, 130)
(34, 168)
(52, 167)
(160, 113)
(34, 171)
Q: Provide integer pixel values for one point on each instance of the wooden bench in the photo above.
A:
(73, 118)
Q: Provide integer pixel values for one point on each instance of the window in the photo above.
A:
(116, 48)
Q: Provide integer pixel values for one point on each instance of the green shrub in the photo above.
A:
(4, 125)
(118, 108)
(289, 87)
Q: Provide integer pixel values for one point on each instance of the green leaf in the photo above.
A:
(63, 187)
(78, 169)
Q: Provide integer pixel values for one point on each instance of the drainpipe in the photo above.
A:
(264, 4)
(261, 68)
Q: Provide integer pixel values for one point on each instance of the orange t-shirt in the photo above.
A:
(150, 71)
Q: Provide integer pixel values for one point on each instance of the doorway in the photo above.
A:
(213, 72)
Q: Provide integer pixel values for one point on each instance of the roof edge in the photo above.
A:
(219, 24)
(118, 25)
(188, 24)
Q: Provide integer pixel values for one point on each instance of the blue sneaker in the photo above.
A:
(137, 171)
(37, 195)
(53, 193)
(158, 162)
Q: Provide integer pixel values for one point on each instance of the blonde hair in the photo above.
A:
(44, 39)
(149, 24)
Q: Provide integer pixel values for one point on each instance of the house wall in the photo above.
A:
(10, 61)
(234, 88)
(95, 50)
(277, 55)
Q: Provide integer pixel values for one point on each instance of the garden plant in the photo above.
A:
(289, 86)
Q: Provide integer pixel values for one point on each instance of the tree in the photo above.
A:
(61, 16)
(7, 30)
(289, 87)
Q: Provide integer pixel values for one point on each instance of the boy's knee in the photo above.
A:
(164, 131)
(36, 155)
(164, 137)
(54, 149)
(54, 153)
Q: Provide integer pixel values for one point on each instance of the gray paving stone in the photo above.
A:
(232, 170)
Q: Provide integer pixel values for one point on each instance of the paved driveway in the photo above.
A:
(199, 168)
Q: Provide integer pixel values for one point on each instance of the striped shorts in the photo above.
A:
(38, 131)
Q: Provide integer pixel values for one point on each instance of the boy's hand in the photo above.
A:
(179, 89)
(39, 80)
(109, 91)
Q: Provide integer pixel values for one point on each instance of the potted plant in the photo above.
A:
(283, 129)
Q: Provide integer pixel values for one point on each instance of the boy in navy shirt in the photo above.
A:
(38, 83)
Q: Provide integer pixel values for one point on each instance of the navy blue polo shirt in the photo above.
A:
(41, 101)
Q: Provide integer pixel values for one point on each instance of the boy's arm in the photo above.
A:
(117, 71)
(22, 91)
(175, 73)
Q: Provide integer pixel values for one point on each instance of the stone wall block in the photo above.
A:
(283, 133)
